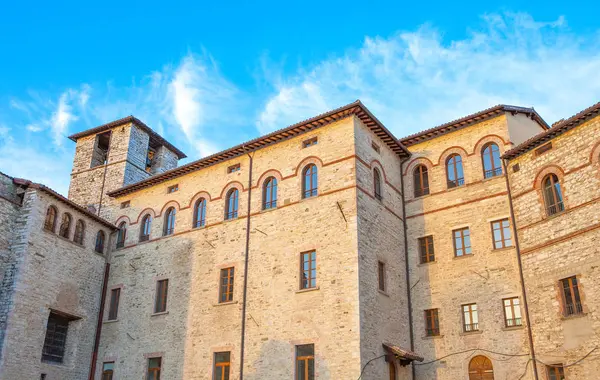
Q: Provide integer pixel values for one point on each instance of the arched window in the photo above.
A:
(454, 171)
(146, 227)
(50, 222)
(100, 237)
(200, 213)
(480, 368)
(121, 235)
(309, 181)
(79, 231)
(169, 222)
(231, 204)
(65, 226)
(552, 194)
(270, 193)
(377, 184)
(492, 166)
(421, 181)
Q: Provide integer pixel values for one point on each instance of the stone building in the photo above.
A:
(328, 249)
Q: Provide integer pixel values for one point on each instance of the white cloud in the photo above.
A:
(62, 117)
(34, 128)
(415, 80)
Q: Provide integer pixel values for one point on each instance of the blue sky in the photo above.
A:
(210, 75)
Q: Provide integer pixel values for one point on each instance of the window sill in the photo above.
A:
(161, 313)
(268, 209)
(427, 263)
(420, 197)
(503, 249)
(225, 303)
(199, 227)
(118, 255)
(574, 316)
(476, 332)
(432, 337)
(307, 290)
(306, 199)
(111, 320)
(462, 257)
(383, 292)
(493, 177)
(511, 328)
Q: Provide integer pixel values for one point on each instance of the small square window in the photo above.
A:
(234, 168)
(555, 372)
(310, 142)
(125, 204)
(375, 147)
(108, 369)
(172, 189)
(543, 149)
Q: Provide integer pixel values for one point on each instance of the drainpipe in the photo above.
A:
(99, 324)
(522, 277)
(407, 268)
(244, 297)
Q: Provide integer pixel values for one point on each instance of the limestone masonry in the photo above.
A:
(329, 249)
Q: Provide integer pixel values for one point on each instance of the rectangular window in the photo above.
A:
(426, 251)
(234, 168)
(432, 322)
(222, 366)
(56, 338)
(570, 295)
(162, 289)
(555, 372)
(381, 275)
(108, 370)
(543, 149)
(512, 312)
(113, 308)
(470, 318)
(308, 270)
(462, 242)
(100, 152)
(226, 285)
(154, 365)
(375, 147)
(501, 234)
(305, 362)
(310, 142)
(172, 189)
(125, 204)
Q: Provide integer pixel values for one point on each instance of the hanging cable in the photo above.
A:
(366, 364)
(471, 350)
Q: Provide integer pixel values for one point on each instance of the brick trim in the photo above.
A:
(459, 204)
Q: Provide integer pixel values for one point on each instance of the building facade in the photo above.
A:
(325, 250)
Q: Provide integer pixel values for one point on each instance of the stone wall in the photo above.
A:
(563, 245)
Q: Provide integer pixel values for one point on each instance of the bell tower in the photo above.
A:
(114, 155)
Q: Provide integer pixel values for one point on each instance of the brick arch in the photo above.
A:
(198, 195)
(309, 160)
(543, 172)
(269, 173)
(595, 154)
(418, 161)
(233, 184)
(145, 211)
(478, 149)
(123, 218)
(167, 205)
(376, 164)
(452, 150)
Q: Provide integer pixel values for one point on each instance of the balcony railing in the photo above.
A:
(456, 182)
(492, 173)
(513, 322)
(573, 309)
(556, 208)
(144, 237)
(468, 327)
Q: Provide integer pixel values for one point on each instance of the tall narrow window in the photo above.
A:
(222, 365)
(421, 181)
(270, 193)
(377, 184)
(231, 204)
(146, 228)
(226, 285)
(512, 312)
(100, 152)
(555, 372)
(121, 234)
(454, 171)
(50, 221)
(200, 213)
(154, 365)
(432, 322)
(470, 318)
(113, 307)
(65, 226)
(100, 237)
(492, 165)
(305, 362)
(160, 303)
(571, 297)
(501, 234)
(169, 222)
(462, 242)
(552, 194)
(309, 181)
(381, 275)
(56, 338)
(426, 251)
(79, 232)
(108, 369)
(308, 270)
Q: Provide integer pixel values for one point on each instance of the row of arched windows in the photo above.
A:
(455, 176)
(64, 230)
(269, 201)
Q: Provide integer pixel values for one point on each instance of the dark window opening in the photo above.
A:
(200, 213)
(108, 370)
(426, 249)
(310, 181)
(146, 228)
(121, 234)
(432, 322)
(170, 222)
(270, 193)
(172, 189)
(377, 184)
(222, 365)
(113, 307)
(50, 221)
(555, 372)
(571, 297)
(454, 171)
(492, 166)
(79, 232)
(310, 142)
(100, 152)
(231, 205)
(160, 303)
(234, 168)
(421, 181)
(552, 194)
(65, 226)
(154, 365)
(100, 237)
(381, 275)
(305, 362)
(56, 337)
